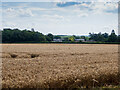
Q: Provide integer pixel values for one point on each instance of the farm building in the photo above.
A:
(77, 40)
(57, 40)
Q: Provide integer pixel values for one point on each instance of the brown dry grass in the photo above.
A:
(59, 65)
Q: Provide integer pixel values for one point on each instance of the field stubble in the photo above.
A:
(59, 65)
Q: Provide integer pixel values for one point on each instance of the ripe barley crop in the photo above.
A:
(59, 65)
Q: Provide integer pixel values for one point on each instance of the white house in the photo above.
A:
(77, 40)
(57, 40)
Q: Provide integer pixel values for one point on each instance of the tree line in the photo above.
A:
(16, 36)
(105, 37)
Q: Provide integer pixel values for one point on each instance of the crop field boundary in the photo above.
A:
(63, 43)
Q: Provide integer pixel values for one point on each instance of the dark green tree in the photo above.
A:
(66, 39)
(112, 37)
(57, 37)
(16, 35)
(118, 38)
(50, 37)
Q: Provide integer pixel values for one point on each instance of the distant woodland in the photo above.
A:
(24, 36)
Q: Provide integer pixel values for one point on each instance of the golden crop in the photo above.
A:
(59, 65)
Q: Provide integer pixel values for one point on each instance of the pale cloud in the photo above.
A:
(83, 15)
(46, 9)
(75, 19)
(82, 9)
(93, 7)
(9, 24)
(105, 6)
(53, 16)
(41, 9)
(60, 1)
(25, 13)
(11, 12)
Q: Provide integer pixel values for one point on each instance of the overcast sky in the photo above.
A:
(78, 18)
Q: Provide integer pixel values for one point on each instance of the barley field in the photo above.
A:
(59, 65)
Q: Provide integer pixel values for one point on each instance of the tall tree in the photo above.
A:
(50, 36)
(112, 37)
